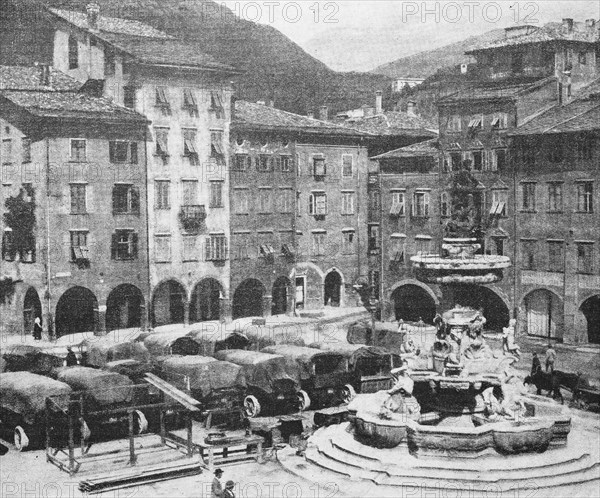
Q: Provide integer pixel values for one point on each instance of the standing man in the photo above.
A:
(216, 490)
(536, 364)
(228, 493)
(550, 358)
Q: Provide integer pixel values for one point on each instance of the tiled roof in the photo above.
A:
(550, 32)
(110, 24)
(393, 123)
(29, 78)
(263, 117)
(70, 105)
(579, 115)
(145, 43)
(426, 148)
(495, 90)
(165, 52)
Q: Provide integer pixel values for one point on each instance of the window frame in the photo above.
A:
(530, 189)
(76, 236)
(585, 200)
(318, 242)
(78, 202)
(585, 269)
(528, 253)
(398, 199)
(131, 192)
(344, 166)
(348, 201)
(426, 204)
(132, 244)
(160, 187)
(348, 246)
(313, 203)
(556, 255)
(265, 200)
(73, 53)
(553, 206)
(167, 255)
(77, 158)
(216, 201)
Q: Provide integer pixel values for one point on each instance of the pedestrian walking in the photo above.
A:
(228, 493)
(536, 364)
(37, 329)
(550, 358)
(216, 490)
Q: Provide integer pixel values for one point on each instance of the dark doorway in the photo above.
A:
(280, 296)
(591, 310)
(76, 311)
(248, 299)
(333, 288)
(495, 310)
(412, 303)
(124, 307)
(206, 301)
(168, 304)
(32, 308)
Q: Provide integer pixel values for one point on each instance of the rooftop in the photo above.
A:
(111, 24)
(427, 148)
(556, 31)
(144, 43)
(393, 123)
(506, 89)
(30, 78)
(262, 117)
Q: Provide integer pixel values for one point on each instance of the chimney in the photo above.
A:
(324, 113)
(568, 24)
(378, 102)
(311, 114)
(93, 14)
(411, 108)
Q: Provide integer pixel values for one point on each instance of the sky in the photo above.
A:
(396, 28)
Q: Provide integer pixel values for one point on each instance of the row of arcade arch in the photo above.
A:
(542, 310)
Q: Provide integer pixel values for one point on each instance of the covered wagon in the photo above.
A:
(106, 398)
(32, 358)
(257, 338)
(219, 385)
(23, 408)
(325, 377)
(273, 382)
(370, 365)
(101, 351)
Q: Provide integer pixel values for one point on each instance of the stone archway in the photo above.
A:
(495, 309)
(168, 303)
(543, 314)
(280, 296)
(413, 303)
(32, 308)
(205, 304)
(124, 307)
(76, 311)
(248, 299)
(591, 311)
(332, 294)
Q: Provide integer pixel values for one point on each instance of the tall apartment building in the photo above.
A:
(186, 95)
(530, 71)
(73, 174)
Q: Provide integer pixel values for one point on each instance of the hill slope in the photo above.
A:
(425, 64)
(275, 67)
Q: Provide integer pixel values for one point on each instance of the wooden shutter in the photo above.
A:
(113, 246)
(134, 245)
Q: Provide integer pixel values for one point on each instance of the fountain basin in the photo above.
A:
(533, 435)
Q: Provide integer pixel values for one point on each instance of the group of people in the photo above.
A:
(217, 490)
(536, 365)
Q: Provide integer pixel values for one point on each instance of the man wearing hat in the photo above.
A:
(216, 490)
(228, 493)
(71, 359)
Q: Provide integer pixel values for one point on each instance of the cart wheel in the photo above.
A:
(141, 421)
(86, 432)
(348, 393)
(20, 438)
(251, 406)
(304, 401)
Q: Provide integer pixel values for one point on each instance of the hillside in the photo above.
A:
(274, 66)
(425, 64)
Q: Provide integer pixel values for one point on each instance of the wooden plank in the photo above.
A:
(170, 390)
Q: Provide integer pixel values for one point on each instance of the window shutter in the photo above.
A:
(134, 245)
(135, 200)
(207, 255)
(311, 203)
(412, 207)
(115, 202)
(113, 246)
(225, 248)
(426, 202)
(111, 151)
(133, 156)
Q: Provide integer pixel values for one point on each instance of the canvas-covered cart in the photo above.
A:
(32, 358)
(273, 382)
(105, 399)
(370, 365)
(256, 340)
(325, 377)
(219, 385)
(23, 408)
(101, 351)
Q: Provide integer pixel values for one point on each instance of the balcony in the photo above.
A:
(192, 217)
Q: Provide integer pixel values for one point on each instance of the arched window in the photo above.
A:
(73, 53)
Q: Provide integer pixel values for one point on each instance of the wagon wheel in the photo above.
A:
(20, 438)
(251, 406)
(304, 401)
(348, 393)
(141, 422)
